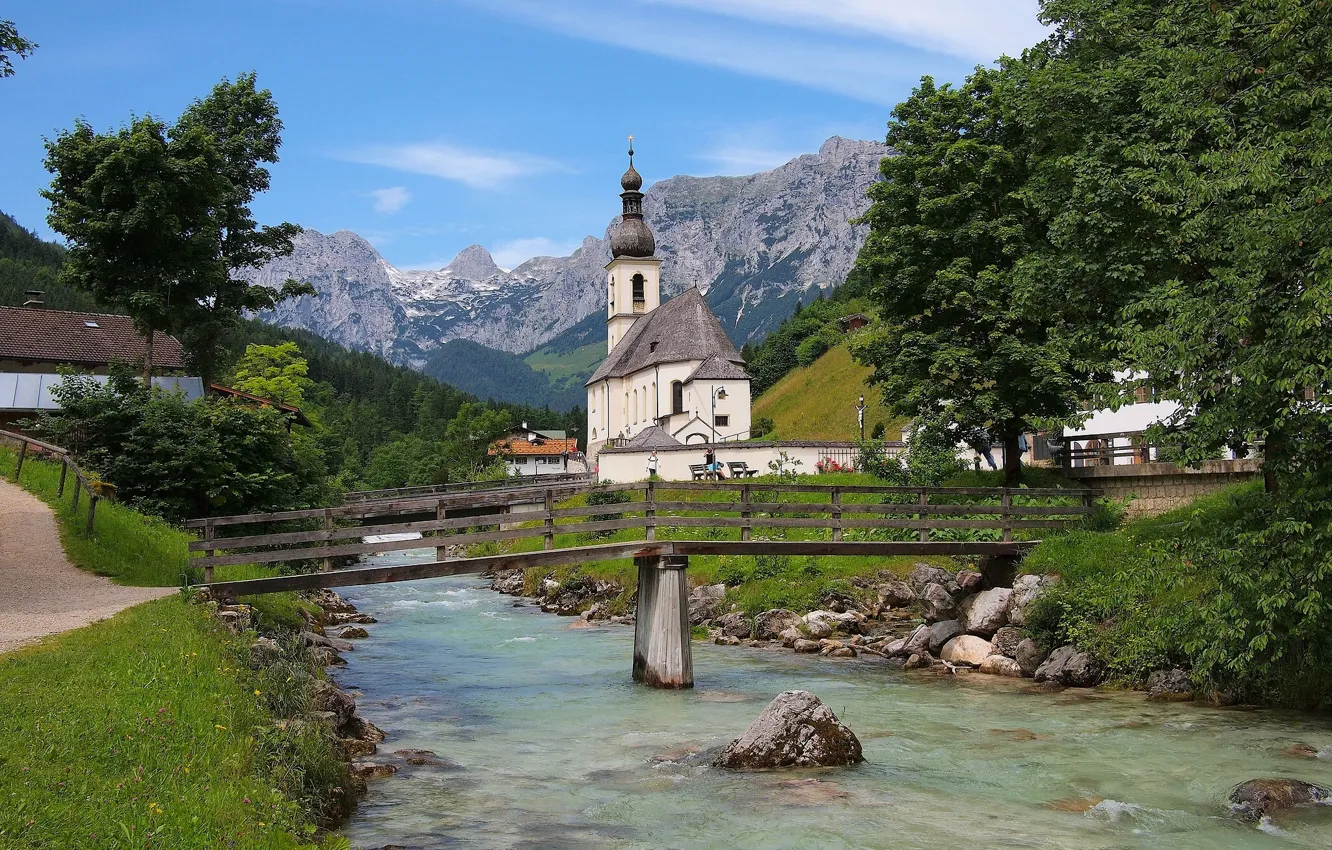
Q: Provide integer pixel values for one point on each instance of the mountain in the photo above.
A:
(753, 244)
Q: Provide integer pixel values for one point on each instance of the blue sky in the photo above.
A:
(430, 125)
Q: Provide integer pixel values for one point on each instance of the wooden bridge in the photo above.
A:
(666, 523)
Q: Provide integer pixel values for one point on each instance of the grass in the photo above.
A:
(818, 402)
(576, 364)
(146, 730)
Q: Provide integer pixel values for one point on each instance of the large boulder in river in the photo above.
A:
(924, 574)
(705, 602)
(918, 642)
(1025, 590)
(1260, 797)
(941, 633)
(967, 649)
(937, 603)
(770, 624)
(734, 625)
(986, 612)
(1174, 685)
(1001, 665)
(795, 730)
(1030, 656)
(1067, 666)
(896, 594)
(1006, 641)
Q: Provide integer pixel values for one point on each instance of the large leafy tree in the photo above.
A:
(964, 336)
(12, 44)
(158, 218)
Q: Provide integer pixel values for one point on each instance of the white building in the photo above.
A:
(667, 364)
(528, 452)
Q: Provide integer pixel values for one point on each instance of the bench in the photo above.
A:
(740, 469)
(699, 471)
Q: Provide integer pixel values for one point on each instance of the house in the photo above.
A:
(35, 342)
(668, 364)
(853, 322)
(528, 452)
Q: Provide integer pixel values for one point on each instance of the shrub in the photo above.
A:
(760, 426)
(602, 496)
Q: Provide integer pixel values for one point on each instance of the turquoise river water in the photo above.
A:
(558, 749)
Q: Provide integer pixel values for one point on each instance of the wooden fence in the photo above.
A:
(424, 491)
(82, 483)
(725, 507)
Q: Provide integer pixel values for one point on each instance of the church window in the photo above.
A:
(677, 397)
(640, 297)
(721, 421)
(635, 405)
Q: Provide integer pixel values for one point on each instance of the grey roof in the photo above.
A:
(682, 329)
(653, 437)
(717, 369)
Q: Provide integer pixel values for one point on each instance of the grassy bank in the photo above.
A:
(148, 730)
(818, 401)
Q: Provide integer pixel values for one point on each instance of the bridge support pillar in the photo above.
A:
(663, 657)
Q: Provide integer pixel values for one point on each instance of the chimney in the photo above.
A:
(34, 298)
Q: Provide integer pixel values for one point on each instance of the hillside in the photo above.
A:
(501, 376)
(818, 402)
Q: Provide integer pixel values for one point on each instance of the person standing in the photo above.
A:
(652, 466)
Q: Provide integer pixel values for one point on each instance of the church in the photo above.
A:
(671, 374)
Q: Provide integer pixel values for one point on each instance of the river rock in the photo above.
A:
(804, 645)
(986, 612)
(895, 648)
(770, 624)
(918, 661)
(1029, 656)
(353, 632)
(837, 621)
(917, 642)
(511, 582)
(341, 619)
(331, 602)
(1173, 685)
(839, 650)
(325, 696)
(1006, 641)
(968, 581)
(795, 730)
(424, 758)
(1067, 666)
(896, 594)
(924, 574)
(1025, 590)
(368, 770)
(264, 651)
(313, 640)
(967, 649)
(1259, 797)
(1000, 665)
(734, 625)
(818, 628)
(788, 637)
(727, 640)
(705, 602)
(937, 603)
(941, 633)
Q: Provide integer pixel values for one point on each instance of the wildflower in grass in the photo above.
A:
(219, 726)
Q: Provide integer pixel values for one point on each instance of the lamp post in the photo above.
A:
(717, 393)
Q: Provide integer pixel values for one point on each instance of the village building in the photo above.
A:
(669, 365)
(529, 452)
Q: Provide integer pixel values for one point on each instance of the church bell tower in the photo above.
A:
(633, 276)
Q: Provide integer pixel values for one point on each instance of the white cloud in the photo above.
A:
(478, 169)
(978, 30)
(390, 200)
(745, 159)
(512, 254)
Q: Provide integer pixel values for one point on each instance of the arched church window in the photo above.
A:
(635, 405)
(677, 397)
(640, 296)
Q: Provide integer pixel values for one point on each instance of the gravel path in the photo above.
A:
(41, 592)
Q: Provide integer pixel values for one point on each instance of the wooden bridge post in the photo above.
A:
(837, 514)
(651, 513)
(550, 520)
(441, 551)
(64, 470)
(746, 530)
(1006, 503)
(924, 516)
(328, 526)
(663, 657)
(210, 531)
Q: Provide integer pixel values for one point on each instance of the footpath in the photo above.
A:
(41, 592)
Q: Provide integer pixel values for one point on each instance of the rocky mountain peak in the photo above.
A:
(473, 263)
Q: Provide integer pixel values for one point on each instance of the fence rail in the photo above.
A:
(95, 491)
(516, 482)
(650, 508)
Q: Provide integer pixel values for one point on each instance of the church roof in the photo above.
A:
(717, 369)
(684, 328)
(652, 437)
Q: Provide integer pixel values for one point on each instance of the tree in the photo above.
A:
(158, 221)
(11, 43)
(275, 372)
(963, 336)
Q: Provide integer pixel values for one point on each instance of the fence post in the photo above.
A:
(328, 527)
(441, 552)
(651, 511)
(549, 542)
(1006, 501)
(924, 515)
(209, 533)
(1088, 504)
(78, 486)
(18, 467)
(837, 514)
(747, 529)
(64, 470)
(92, 513)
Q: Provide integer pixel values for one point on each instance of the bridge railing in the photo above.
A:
(514, 482)
(693, 511)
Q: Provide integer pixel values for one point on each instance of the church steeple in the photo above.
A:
(632, 237)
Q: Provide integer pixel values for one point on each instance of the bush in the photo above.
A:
(760, 426)
(871, 457)
(602, 496)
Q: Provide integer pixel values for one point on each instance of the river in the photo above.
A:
(556, 747)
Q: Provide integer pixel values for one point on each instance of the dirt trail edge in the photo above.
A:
(41, 592)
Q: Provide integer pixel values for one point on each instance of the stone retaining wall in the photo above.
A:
(1159, 487)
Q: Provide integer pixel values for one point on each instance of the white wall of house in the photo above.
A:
(673, 464)
(529, 465)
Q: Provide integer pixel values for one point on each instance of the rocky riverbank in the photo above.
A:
(952, 622)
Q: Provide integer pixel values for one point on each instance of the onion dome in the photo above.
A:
(631, 236)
